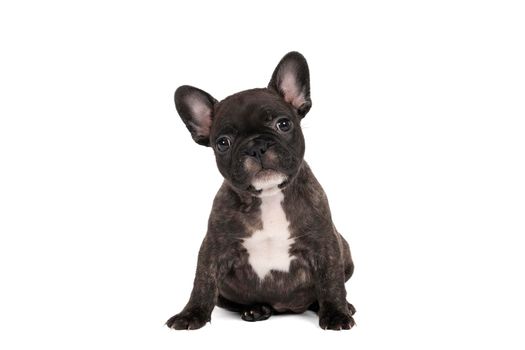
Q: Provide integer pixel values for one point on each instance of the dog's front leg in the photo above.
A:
(197, 311)
(330, 287)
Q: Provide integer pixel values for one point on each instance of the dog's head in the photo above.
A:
(255, 134)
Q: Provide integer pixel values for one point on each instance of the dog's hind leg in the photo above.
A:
(250, 313)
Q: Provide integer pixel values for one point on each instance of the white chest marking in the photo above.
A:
(268, 249)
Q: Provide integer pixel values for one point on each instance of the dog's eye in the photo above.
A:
(284, 124)
(223, 143)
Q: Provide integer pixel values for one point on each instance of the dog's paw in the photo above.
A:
(258, 312)
(188, 319)
(331, 318)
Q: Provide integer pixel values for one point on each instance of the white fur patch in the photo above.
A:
(268, 248)
(268, 183)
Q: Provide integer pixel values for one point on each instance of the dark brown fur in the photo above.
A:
(322, 260)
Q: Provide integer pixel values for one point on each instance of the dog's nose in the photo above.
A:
(258, 147)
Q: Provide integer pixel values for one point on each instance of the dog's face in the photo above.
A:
(255, 134)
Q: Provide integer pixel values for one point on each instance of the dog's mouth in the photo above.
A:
(267, 182)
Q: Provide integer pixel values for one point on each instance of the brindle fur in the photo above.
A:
(322, 260)
(306, 208)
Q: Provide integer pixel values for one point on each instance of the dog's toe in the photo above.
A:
(257, 312)
(190, 319)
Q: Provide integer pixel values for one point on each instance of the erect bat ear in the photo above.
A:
(195, 108)
(291, 79)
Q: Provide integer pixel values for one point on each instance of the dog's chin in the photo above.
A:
(267, 182)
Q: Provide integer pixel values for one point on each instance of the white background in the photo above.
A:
(416, 133)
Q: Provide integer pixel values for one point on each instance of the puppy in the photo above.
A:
(271, 245)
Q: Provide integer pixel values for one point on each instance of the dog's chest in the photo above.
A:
(268, 248)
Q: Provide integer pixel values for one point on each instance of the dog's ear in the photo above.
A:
(291, 79)
(195, 108)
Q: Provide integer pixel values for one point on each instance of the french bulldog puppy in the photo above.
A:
(271, 245)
